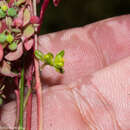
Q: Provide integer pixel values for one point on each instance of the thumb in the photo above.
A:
(98, 101)
(87, 49)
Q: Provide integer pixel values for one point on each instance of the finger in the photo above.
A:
(99, 101)
(87, 49)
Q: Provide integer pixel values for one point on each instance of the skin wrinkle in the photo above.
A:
(90, 122)
(99, 51)
(108, 107)
(63, 95)
(104, 40)
(102, 99)
(98, 58)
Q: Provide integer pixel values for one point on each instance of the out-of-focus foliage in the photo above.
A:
(73, 13)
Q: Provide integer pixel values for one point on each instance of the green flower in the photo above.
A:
(9, 38)
(59, 62)
(2, 13)
(13, 46)
(48, 59)
(12, 12)
(39, 55)
(4, 8)
(2, 38)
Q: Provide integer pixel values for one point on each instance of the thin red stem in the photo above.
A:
(29, 113)
(43, 9)
(29, 108)
(38, 86)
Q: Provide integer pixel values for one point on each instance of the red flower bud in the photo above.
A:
(34, 20)
(56, 2)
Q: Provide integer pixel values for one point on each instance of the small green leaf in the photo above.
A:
(12, 12)
(26, 17)
(2, 38)
(59, 62)
(9, 21)
(39, 55)
(19, 2)
(13, 46)
(4, 8)
(9, 38)
(2, 14)
(48, 58)
(28, 31)
(2, 3)
(61, 53)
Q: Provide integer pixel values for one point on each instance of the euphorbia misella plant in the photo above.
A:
(19, 26)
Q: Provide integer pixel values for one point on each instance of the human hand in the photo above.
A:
(94, 91)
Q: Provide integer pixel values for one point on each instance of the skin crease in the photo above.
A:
(95, 90)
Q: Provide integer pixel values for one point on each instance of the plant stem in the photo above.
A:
(29, 112)
(38, 86)
(28, 100)
(21, 89)
(27, 97)
(42, 12)
(18, 108)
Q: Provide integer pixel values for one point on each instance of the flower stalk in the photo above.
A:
(21, 89)
(38, 86)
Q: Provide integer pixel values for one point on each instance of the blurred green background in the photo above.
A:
(74, 13)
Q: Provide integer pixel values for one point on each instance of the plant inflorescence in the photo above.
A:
(19, 26)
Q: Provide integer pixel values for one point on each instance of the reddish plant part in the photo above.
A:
(35, 20)
(5, 69)
(12, 56)
(11, 2)
(29, 112)
(2, 26)
(56, 2)
(43, 9)
(18, 22)
(28, 44)
(1, 52)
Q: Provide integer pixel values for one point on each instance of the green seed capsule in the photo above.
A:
(2, 13)
(13, 46)
(12, 12)
(9, 38)
(39, 55)
(59, 61)
(48, 58)
(4, 8)
(2, 38)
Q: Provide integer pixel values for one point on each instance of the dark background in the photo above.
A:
(74, 13)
